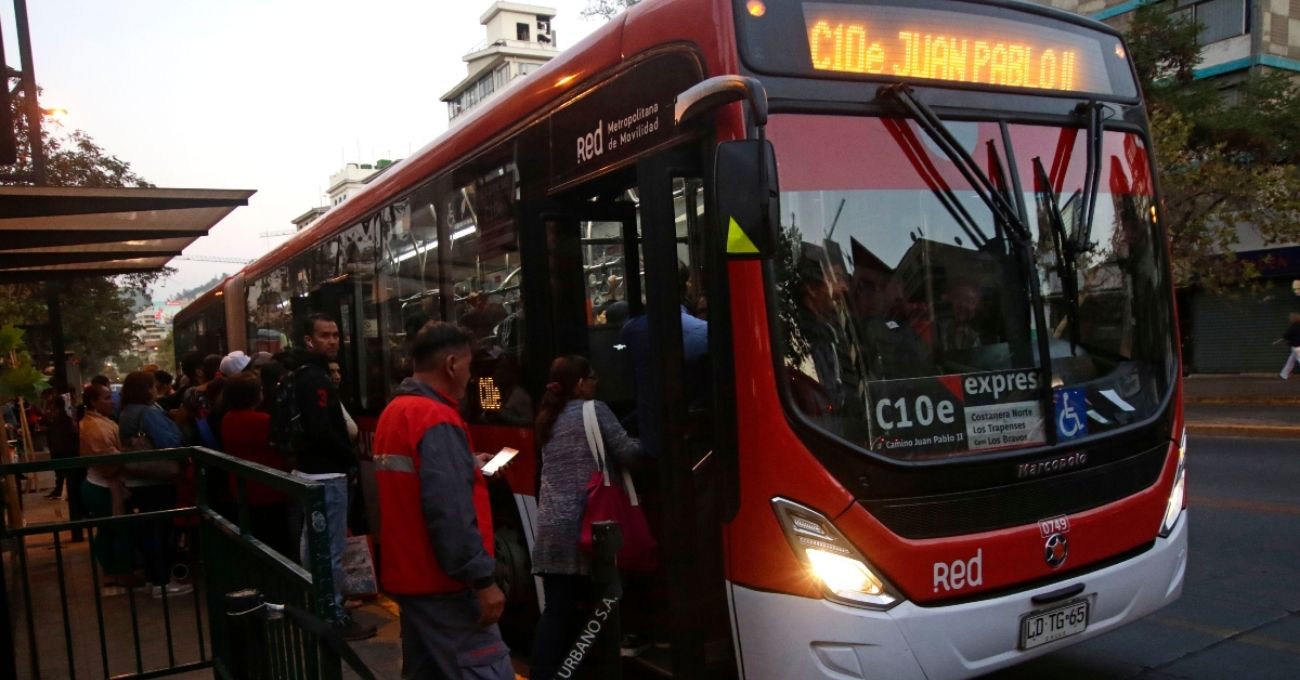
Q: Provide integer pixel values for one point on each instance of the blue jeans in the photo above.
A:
(336, 527)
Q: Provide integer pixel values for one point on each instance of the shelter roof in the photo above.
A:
(68, 232)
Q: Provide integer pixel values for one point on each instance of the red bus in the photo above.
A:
(938, 427)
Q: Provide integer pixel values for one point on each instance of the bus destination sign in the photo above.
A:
(930, 44)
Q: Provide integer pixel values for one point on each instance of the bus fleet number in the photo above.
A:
(902, 413)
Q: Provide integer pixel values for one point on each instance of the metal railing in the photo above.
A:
(132, 637)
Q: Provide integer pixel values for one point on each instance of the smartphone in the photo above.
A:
(499, 461)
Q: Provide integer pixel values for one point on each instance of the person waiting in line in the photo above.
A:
(271, 374)
(326, 455)
(567, 465)
(436, 519)
(199, 400)
(246, 433)
(232, 365)
(104, 492)
(146, 426)
(336, 377)
(357, 523)
(103, 381)
(63, 438)
(165, 390)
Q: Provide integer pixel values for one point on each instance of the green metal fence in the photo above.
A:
(131, 637)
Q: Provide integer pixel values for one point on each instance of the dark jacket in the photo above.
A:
(328, 447)
(1292, 334)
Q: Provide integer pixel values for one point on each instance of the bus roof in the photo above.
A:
(209, 296)
(655, 22)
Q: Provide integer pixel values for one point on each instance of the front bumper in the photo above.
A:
(783, 636)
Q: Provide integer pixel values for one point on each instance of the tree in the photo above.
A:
(1227, 159)
(98, 319)
(606, 8)
(73, 159)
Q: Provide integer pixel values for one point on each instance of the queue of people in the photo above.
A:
(435, 523)
(436, 519)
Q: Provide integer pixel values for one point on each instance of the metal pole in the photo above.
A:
(8, 669)
(33, 114)
(606, 537)
(246, 634)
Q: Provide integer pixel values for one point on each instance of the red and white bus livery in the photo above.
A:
(938, 430)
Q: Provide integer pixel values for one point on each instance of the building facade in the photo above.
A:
(1239, 35)
(519, 40)
(343, 185)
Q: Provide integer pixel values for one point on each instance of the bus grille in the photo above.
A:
(1018, 504)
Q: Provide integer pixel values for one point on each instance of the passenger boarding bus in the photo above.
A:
(938, 428)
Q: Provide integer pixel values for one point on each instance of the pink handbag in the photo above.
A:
(608, 502)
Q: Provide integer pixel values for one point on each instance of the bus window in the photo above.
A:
(606, 266)
(483, 276)
(605, 272)
(408, 293)
(270, 327)
(688, 284)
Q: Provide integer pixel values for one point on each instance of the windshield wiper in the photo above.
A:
(1091, 177)
(1063, 243)
(969, 169)
(1014, 217)
(1075, 238)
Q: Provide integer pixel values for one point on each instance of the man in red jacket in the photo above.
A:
(435, 519)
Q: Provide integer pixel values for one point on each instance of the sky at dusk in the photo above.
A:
(272, 95)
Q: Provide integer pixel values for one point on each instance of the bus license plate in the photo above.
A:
(1054, 624)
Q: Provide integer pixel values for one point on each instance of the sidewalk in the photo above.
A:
(1244, 405)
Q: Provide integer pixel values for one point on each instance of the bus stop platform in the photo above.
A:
(382, 653)
(1242, 405)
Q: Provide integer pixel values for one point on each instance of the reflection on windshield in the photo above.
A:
(909, 314)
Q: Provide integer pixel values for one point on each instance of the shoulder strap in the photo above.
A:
(594, 440)
(597, 445)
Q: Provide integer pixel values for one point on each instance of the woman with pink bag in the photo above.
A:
(574, 432)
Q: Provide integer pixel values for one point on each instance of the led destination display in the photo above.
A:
(929, 44)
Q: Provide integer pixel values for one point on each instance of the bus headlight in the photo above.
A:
(1178, 495)
(845, 575)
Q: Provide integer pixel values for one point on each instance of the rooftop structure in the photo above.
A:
(519, 40)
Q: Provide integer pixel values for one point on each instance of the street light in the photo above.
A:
(56, 114)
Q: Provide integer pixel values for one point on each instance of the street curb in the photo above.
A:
(1240, 430)
(1242, 401)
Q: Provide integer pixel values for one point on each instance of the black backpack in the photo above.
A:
(288, 435)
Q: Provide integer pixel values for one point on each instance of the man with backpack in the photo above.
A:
(307, 424)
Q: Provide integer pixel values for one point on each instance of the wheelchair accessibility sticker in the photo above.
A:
(1071, 414)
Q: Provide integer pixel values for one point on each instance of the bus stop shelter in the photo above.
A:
(51, 234)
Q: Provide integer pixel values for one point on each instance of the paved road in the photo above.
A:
(1239, 617)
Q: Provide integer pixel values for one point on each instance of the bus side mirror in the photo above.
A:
(746, 197)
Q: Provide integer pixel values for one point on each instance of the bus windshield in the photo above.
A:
(911, 311)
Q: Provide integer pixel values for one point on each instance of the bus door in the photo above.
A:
(677, 257)
(625, 286)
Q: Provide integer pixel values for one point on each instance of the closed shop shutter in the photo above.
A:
(1233, 331)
